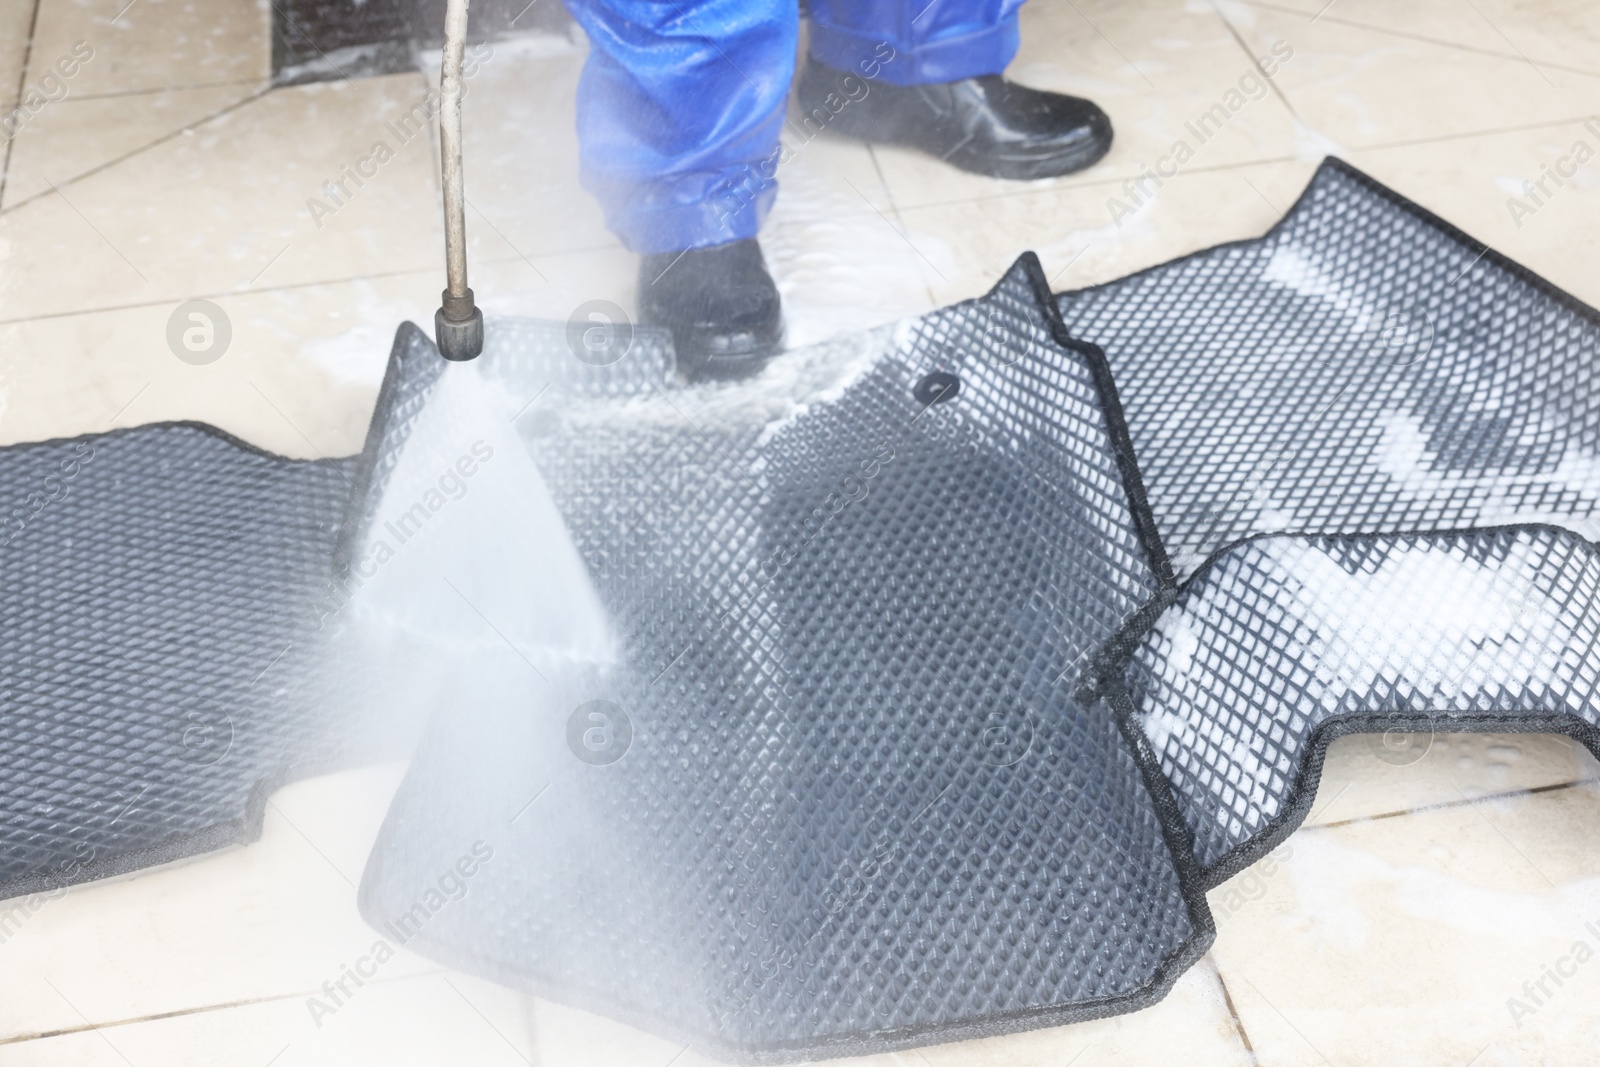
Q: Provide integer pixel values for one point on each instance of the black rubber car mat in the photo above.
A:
(172, 603)
(1282, 643)
(849, 602)
(1364, 367)
(1370, 391)
(913, 732)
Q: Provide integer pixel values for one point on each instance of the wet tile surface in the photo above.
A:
(1416, 918)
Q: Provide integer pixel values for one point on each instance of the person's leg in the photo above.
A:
(926, 73)
(915, 42)
(679, 108)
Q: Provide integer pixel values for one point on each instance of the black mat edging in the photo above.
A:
(1111, 406)
(1149, 995)
(219, 835)
(331, 463)
(1106, 679)
(1302, 794)
(403, 384)
(357, 471)
(1398, 200)
(1188, 951)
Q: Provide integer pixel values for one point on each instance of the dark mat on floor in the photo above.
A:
(938, 694)
(172, 605)
(858, 804)
(1364, 369)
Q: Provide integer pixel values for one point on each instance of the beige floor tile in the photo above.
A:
(299, 376)
(1558, 33)
(275, 918)
(1075, 230)
(1398, 940)
(230, 205)
(1473, 181)
(1359, 88)
(157, 44)
(1469, 181)
(1410, 939)
(553, 286)
(1382, 774)
(842, 257)
(522, 150)
(68, 139)
(1154, 67)
(453, 1018)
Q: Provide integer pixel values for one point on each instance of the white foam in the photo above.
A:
(1399, 622)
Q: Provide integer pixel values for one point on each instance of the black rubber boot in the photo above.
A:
(720, 304)
(985, 125)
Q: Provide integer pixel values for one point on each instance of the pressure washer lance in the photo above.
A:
(458, 324)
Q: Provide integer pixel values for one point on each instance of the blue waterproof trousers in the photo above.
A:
(681, 101)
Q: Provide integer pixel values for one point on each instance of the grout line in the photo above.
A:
(1233, 1011)
(6, 210)
(1265, 161)
(1447, 804)
(1547, 124)
(1097, 183)
(1114, 48)
(1423, 38)
(894, 208)
(287, 287)
(1272, 83)
(65, 1031)
(93, 1028)
(1513, 45)
(22, 85)
(114, 94)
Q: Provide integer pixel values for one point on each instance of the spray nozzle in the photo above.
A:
(458, 327)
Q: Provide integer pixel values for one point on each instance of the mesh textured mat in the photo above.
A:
(858, 800)
(931, 710)
(171, 605)
(1364, 369)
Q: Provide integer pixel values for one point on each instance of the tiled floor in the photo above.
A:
(1397, 927)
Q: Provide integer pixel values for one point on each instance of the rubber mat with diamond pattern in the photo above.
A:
(914, 730)
(171, 602)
